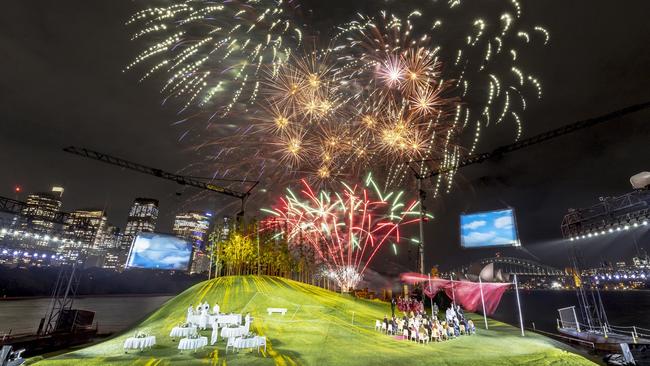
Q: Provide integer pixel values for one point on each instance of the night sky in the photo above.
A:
(62, 84)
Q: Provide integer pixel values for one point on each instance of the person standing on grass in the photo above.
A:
(392, 306)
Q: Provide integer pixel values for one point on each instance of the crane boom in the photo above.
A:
(545, 136)
(180, 179)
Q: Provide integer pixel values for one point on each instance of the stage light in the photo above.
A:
(571, 239)
(627, 227)
(611, 230)
(645, 222)
(5, 251)
(4, 231)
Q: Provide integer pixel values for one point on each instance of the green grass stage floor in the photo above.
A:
(317, 330)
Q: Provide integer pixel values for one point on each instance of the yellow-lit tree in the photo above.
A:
(239, 254)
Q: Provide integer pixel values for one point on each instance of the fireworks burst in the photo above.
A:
(386, 90)
(345, 229)
(212, 51)
(413, 62)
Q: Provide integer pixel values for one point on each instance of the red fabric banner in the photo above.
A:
(466, 293)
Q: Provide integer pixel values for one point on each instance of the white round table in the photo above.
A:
(193, 344)
(179, 332)
(227, 332)
(139, 343)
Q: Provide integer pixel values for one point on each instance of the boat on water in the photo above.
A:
(605, 337)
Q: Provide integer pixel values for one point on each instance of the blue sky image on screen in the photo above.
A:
(487, 229)
(157, 251)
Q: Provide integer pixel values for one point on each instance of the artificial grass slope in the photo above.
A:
(317, 330)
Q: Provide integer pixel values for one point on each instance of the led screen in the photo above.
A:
(488, 229)
(157, 251)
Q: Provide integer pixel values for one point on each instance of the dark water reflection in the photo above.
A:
(624, 308)
(112, 313)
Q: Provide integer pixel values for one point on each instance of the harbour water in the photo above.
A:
(623, 308)
(112, 313)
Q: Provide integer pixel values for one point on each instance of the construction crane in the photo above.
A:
(542, 137)
(180, 179)
(500, 151)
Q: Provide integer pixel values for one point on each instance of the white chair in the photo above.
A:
(232, 341)
(462, 329)
(414, 336)
(377, 325)
(383, 327)
(261, 342)
(390, 329)
(405, 333)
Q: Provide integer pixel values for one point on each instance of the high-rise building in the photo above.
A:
(111, 238)
(41, 208)
(194, 226)
(87, 227)
(142, 218)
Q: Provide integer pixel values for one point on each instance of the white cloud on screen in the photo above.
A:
(478, 238)
(474, 225)
(503, 222)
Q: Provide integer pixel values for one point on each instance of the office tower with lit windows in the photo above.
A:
(142, 218)
(40, 211)
(194, 226)
(87, 226)
(111, 237)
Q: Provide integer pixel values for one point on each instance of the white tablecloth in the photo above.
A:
(139, 343)
(254, 342)
(226, 319)
(179, 332)
(233, 332)
(193, 344)
(221, 319)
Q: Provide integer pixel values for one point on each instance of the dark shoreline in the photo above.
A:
(18, 298)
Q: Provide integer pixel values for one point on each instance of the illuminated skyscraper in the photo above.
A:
(40, 210)
(194, 226)
(142, 218)
(87, 226)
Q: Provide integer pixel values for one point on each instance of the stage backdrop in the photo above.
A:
(158, 251)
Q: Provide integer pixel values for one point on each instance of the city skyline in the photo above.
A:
(34, 145)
